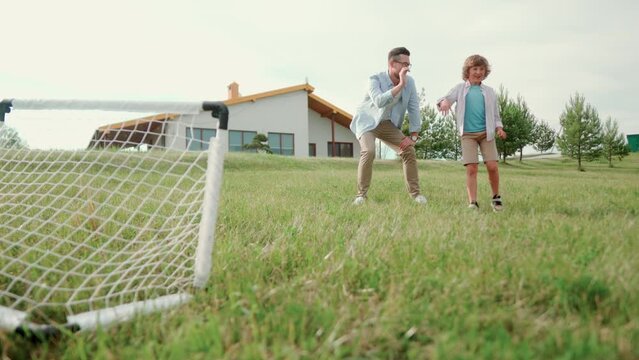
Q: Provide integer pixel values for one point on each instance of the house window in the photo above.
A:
(312, 150)
(282, 144)
(198, 139)
(342, 149)
(239, 138)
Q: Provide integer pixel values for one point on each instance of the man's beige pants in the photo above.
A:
(391, 136)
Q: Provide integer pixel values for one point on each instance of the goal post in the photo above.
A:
(99, 233)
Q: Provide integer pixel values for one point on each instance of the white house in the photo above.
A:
(296, 121)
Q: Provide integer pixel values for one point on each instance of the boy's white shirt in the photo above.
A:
(458, 95)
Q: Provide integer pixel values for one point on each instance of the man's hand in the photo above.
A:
(443, 106)
(501, 133)
(402, 75)
(406, 142)
(402, 82)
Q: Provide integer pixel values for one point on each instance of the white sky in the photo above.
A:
(190, 50)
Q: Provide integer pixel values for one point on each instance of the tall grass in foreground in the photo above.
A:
(301, 273)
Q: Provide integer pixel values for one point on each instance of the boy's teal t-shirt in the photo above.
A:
(475, 114)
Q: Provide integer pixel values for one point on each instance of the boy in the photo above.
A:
(478, 122)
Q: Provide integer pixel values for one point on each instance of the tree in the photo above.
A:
(580, 136)
(10, 138)
(428, 115)
(438, 137)
(423, 146)
(444, 139)
(260, 144)
(613, 143)
(543, 136)
(518, 123)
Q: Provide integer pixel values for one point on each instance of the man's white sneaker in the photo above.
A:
(473, 205)
(359, 200)
(420, 199)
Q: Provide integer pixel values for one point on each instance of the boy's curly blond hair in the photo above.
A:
(475, 60)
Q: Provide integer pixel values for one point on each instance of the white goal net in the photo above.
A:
(107, 209)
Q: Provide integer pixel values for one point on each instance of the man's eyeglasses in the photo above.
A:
(405, 64)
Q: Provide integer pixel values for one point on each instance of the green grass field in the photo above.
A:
(300, 273)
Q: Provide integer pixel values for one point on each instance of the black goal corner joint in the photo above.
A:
(37, 334)
(5, 108)
(218, 110)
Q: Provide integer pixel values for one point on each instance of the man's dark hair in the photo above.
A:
(398, 51)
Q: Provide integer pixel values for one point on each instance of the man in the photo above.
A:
(390, 94)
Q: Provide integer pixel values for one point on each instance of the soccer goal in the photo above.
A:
(107, 209)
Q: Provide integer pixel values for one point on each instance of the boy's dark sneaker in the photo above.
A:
(496, 203)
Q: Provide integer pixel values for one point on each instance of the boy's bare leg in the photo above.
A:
(493, 176)
(471, 182)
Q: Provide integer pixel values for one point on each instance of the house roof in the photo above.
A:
(139, 121)
(329, 110)
(316, 103)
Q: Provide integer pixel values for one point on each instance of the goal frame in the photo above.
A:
(16, 321)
